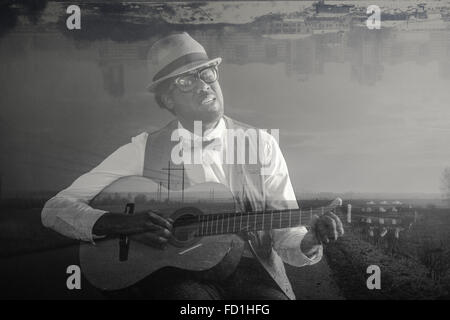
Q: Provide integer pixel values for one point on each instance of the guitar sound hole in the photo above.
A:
(184, 227)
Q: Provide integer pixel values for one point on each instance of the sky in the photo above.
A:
(369, 115)
(341, 136)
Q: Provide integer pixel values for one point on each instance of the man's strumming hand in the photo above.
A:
(149, 227)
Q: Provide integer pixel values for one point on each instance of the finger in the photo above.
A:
(339, 225)
(314, 227)
(157, 229)
(152, 238)
(324, 239)
(157, 219)
(164, 233)
(322, 231)
(332, 232)
(313, 222)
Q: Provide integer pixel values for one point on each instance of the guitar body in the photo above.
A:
(101, 262)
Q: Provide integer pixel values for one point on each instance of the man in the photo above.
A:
(185, 82)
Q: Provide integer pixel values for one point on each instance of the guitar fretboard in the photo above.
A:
(225, 223)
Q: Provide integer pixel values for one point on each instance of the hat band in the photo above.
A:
(180, 62)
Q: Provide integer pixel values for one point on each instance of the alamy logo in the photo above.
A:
(374, 20)
(250, 146)
(374, 280)
(73, 21)
(74, 280)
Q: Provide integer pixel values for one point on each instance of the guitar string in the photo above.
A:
(263, 226)
(216, 218)
(283, 223)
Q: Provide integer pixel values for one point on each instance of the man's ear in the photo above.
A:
(168, 101)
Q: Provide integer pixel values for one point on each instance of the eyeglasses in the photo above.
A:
(187, 82)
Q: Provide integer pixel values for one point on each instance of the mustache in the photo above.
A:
(204, 95)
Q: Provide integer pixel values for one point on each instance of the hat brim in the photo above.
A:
(189, 67)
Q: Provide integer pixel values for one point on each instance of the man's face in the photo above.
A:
(201, 101)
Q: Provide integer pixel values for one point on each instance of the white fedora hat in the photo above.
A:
(174, 55)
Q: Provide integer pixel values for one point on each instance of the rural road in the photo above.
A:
(43, 275)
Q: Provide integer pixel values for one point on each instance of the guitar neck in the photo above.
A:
(226, 223)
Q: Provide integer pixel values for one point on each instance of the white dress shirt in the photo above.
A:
(70, 214)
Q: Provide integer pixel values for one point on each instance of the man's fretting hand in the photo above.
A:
(324, 229)
(149, 227)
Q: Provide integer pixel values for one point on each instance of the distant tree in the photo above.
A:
(445, 185)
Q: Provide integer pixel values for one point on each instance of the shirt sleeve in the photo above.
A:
(69, 212)
(280, 195)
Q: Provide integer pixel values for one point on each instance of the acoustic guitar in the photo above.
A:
(206, 225)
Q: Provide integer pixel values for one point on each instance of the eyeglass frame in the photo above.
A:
(197, 77)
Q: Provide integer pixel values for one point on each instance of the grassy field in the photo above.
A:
(401, 278)
(418, 268)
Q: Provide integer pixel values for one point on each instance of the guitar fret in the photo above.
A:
(206, 226)
(300, 216)
(201, 225)
(281, 217)
(228, 224)
(254, 228)
(271, 220)
(240, 224)
(248, 220)
(290, 218)
(262, 226)
(202, 218)
(234, 223)
(217, 222)
(222, 223)
(212, 225)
